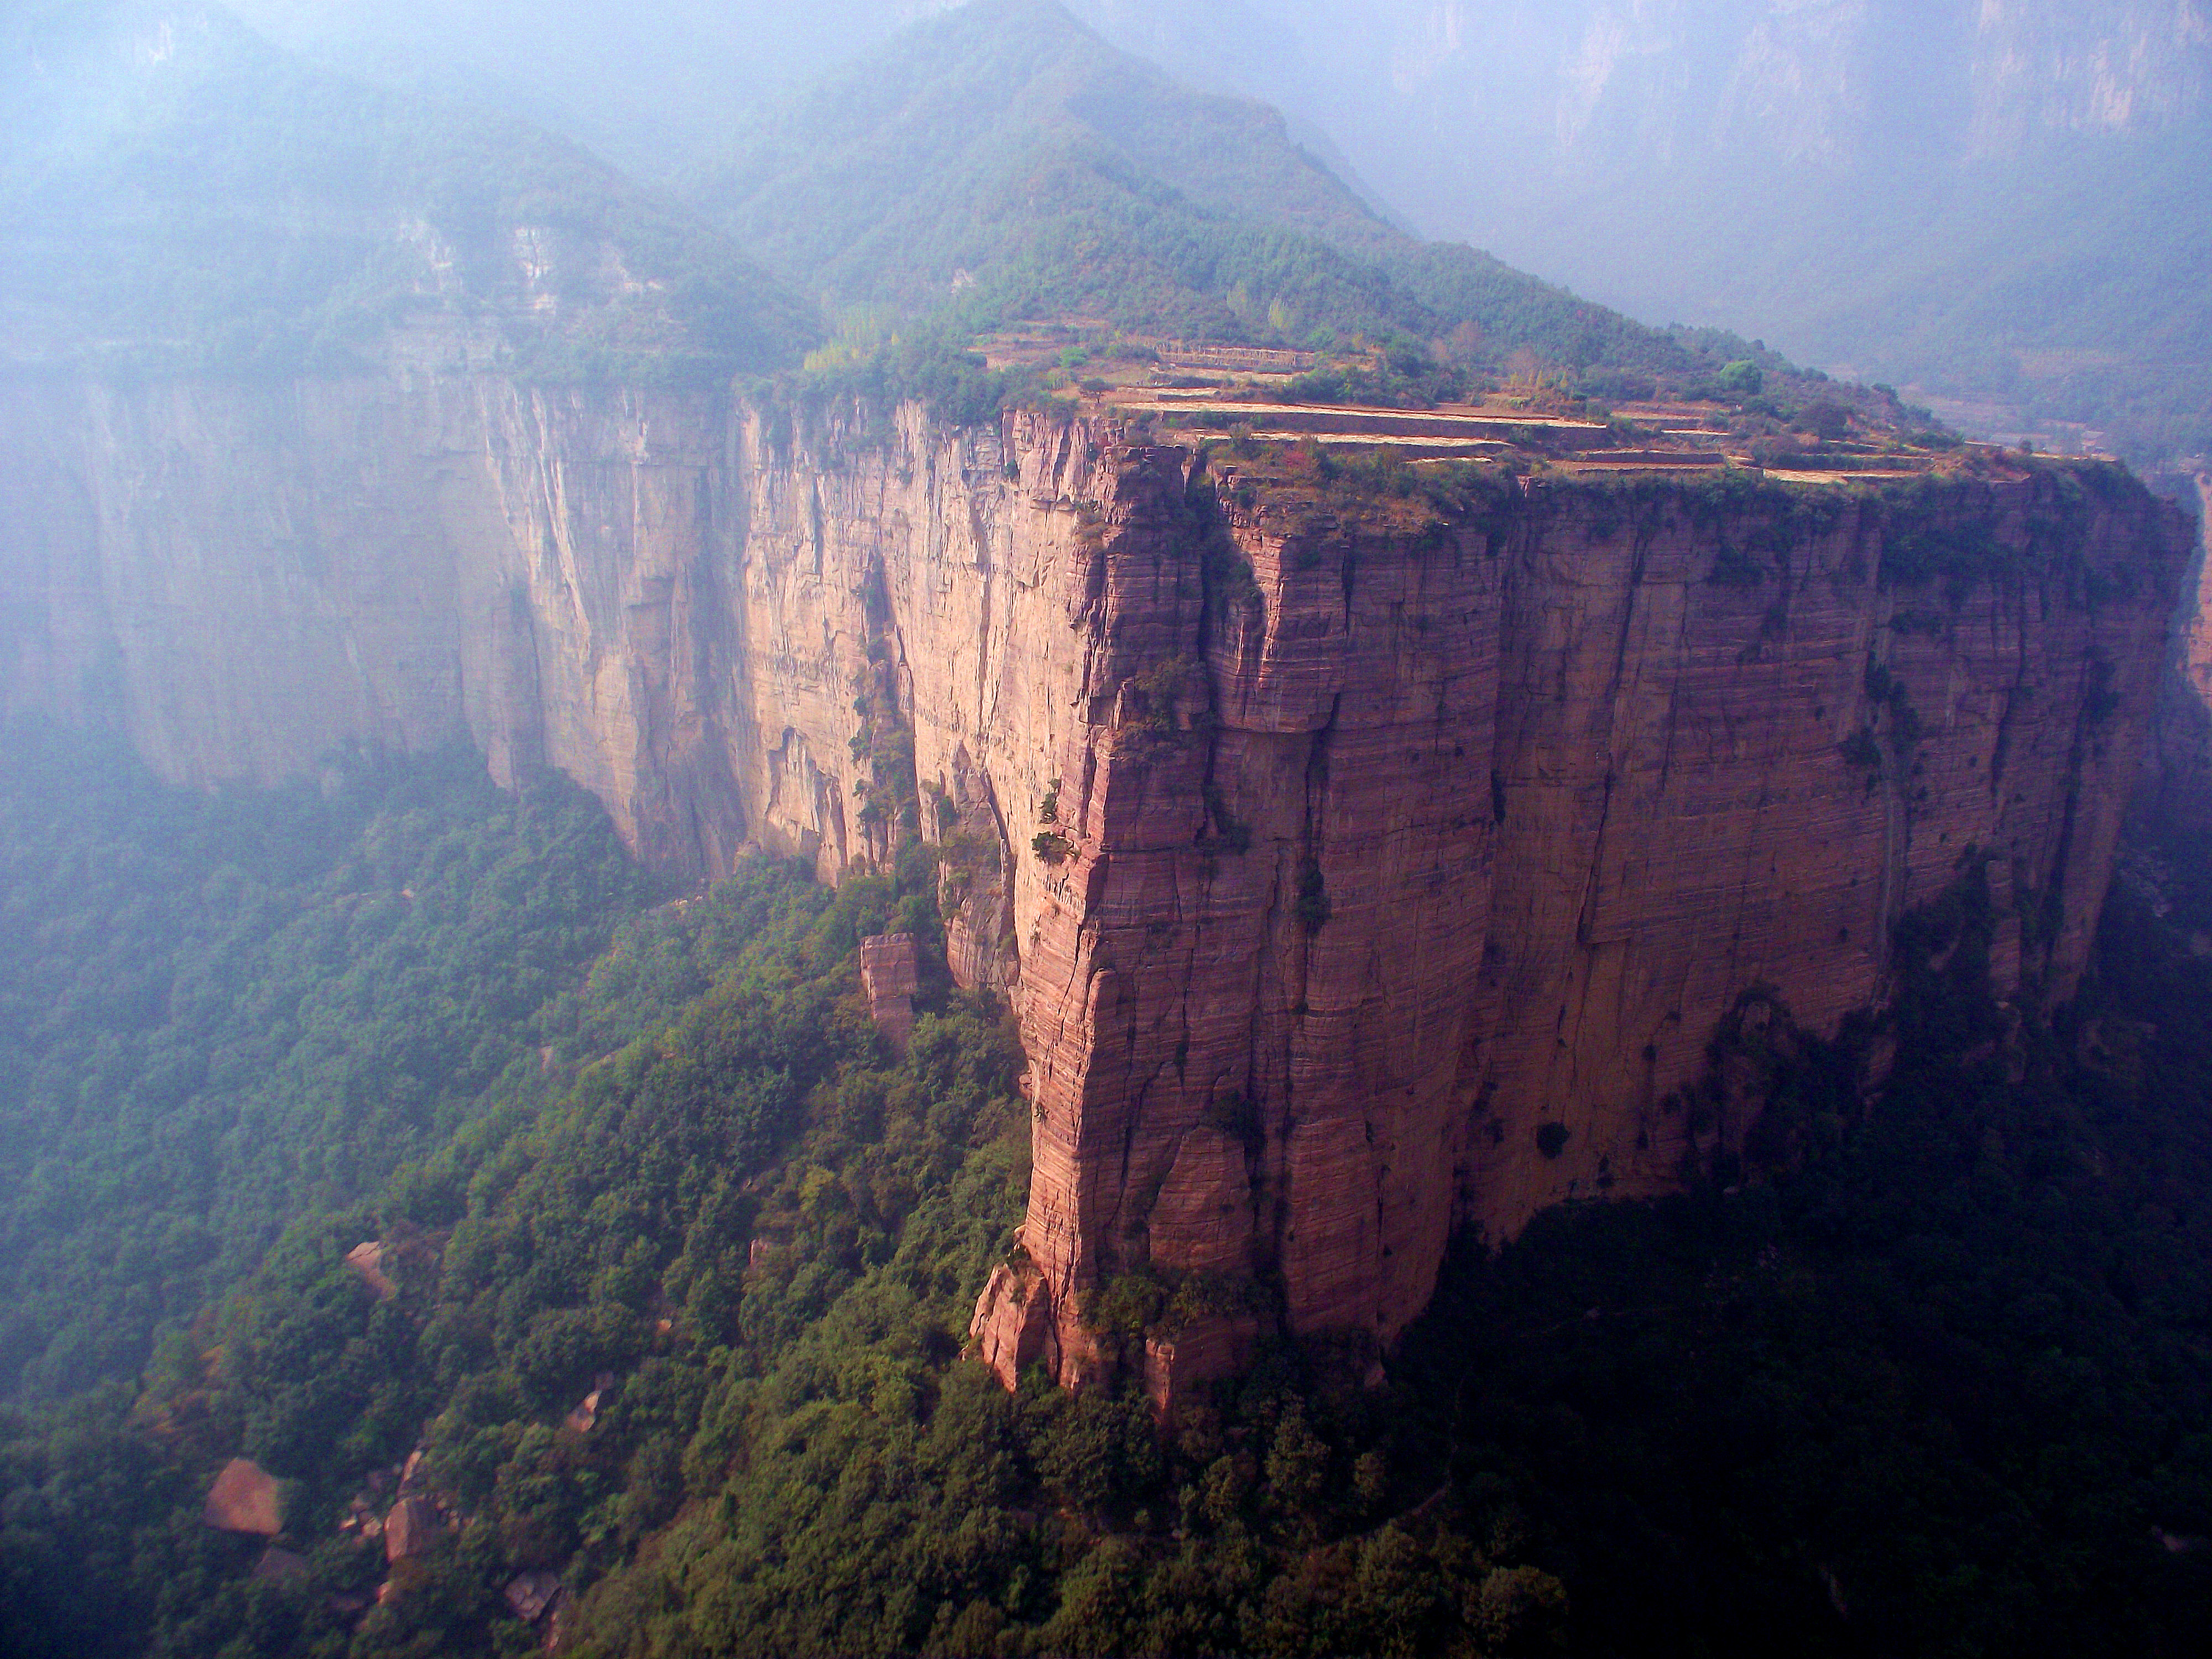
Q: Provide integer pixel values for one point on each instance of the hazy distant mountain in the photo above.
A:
(651, 87)
(1603, 84)
(2003, 197)
(188, 195)
(177, 192)
(1005, 152)
(1994, 200)
(1997, 197)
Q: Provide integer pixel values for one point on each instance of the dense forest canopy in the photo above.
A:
(679, 1255)
(217, 1010)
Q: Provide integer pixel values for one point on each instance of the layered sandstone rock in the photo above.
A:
(1419, 900)
(890, 973)
(1356, 868)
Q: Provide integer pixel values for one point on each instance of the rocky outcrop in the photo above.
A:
(890, 973)
(531, 1595)
(245, 1499)
(366, 1262)
(1359, 866)
(410, 1530)
(1179, 1365)
(1014, 1325)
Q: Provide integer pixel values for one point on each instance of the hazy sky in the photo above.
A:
(649, 82)
(1415, 91)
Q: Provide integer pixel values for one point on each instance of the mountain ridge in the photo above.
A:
(198, 200)
(1002, 160)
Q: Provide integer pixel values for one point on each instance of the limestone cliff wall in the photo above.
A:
(1356, 867)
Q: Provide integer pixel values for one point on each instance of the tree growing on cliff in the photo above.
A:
(1312, 907)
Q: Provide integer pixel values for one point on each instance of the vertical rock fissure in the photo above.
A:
(2015, 695)
(1592, 891)
(985, 608)
(2052, 899)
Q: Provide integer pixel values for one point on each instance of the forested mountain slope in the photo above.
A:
(191, 199)
(215, 1014)
(1002, 160)
(1996, 203)
(178, 195)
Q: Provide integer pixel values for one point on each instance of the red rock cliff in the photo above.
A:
(1357, 868)
(1438, 829)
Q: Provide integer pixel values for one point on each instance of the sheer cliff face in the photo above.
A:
(631, 589)
(1419, 898)
(1356, 868)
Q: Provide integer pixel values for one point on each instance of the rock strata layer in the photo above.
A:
(890, 973)
(1358, 867)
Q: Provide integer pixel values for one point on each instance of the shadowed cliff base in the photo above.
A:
(2177, 787)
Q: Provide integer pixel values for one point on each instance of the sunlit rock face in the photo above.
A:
(1355, 873)
(1414, 894)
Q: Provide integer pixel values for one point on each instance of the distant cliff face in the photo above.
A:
(1357, 866)
(1609, 83)
(2122, 66)
(641, 590)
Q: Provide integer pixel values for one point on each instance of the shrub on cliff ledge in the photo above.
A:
(1735, 568)
(1312, 907)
